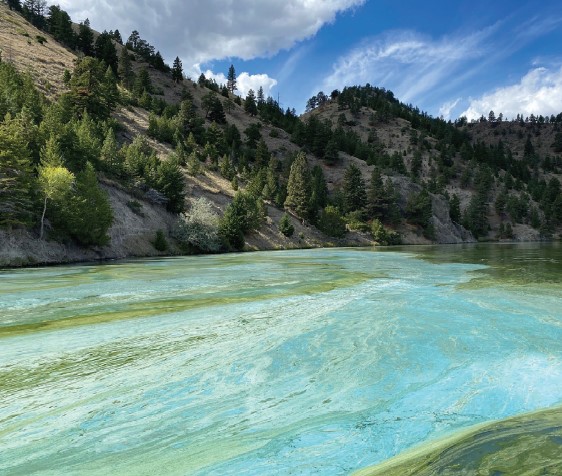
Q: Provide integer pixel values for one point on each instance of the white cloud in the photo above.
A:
(199, 31)
(244, 81)
(447, 107)
(538, 92)
(409, 64)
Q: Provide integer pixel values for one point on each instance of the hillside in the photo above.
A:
(378, 171)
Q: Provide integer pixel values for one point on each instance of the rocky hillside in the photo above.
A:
(428, 171)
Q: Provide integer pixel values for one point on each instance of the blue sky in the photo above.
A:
(449, 58)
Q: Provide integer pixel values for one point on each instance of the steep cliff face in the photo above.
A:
(446, 231)
(132, 234)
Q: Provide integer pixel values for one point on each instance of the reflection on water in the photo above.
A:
(300, 362)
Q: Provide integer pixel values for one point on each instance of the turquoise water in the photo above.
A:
(300, 362)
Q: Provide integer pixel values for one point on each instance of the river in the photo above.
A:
(291, 362)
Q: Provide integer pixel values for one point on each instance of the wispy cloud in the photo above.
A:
(538, 92)
(538, 26)
(408, 63)
(292, 62)
(435, 72)
(447, 107)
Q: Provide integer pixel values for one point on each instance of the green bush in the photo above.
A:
(285, 225)
(331, 222)
(136, 207)
(354, 221)
(160, 242)
(383, 236)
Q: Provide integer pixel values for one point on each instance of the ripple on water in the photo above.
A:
(319, 361)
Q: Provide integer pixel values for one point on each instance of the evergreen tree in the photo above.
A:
(419, 211)
(60, 26)
(89, 89)
(14, 5)
(392, 210)
(261, 97)
(116, 35)
(85, 38)
(34, 11)
(142, 83)
(262, 154)
(354, 193)
(110, 158)
(89, 212)
(177, 70)
(319, 195)
(272, 189)
(299, 187)
(16, 178)
(244, 214)
(171, 183)
(133, 40)
(158, 62)
(231, 80)
(331, 152)
(250, 103)
(331, 222)
(104, 50)
(475, 216)
(125, 70)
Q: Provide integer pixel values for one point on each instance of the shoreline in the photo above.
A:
(89, 258)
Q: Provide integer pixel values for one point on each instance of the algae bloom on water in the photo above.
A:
(295, 362)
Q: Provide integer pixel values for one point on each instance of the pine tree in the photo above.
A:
(319, 197)
(244, 214)
(110, 158)
(104, 50)
(331, 153)
(231, 80)
(14, 5)
(177, 70)
(262, 154)
(16, 178)
(299, 187)
(376, 203)
(171, 183)
(250, 103)
(60, 26)
(354, 193)
(89, 214)
(85, 38)
(125, 69)
(90, 89)
(260, 97)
